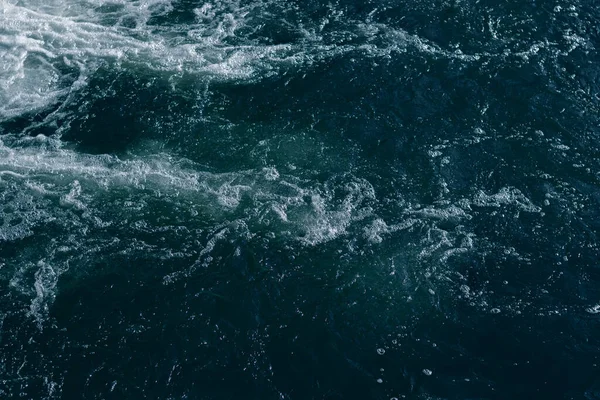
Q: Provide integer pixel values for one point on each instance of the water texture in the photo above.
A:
(269, 199)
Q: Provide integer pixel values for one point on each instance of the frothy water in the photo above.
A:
(41, 173)
(51, 49)
(292, 200)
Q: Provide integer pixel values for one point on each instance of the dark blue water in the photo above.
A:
(268, 199)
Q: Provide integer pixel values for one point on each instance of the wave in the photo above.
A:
(46, 187)
(48, 49)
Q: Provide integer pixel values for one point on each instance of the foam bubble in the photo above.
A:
(20, 211)
(593, 309)
(46, 279)
(506, 196)
(378, 229)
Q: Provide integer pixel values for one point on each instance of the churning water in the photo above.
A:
(271, 199)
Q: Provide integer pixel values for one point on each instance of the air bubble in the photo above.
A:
(594, 309)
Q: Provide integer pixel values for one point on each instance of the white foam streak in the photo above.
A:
(34, 46)
(274, 201)
(506, 196)
(61, 166)
(38, 41)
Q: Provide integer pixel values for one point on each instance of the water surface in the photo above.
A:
(270, 199)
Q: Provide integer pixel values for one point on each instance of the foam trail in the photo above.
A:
(36, 48)
(275, 200)
(48, 49)
(105, 170)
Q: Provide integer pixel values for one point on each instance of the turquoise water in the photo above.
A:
(275, 199)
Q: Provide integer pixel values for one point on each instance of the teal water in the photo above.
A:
(269, 199)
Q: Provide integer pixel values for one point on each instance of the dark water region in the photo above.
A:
(299, 200)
